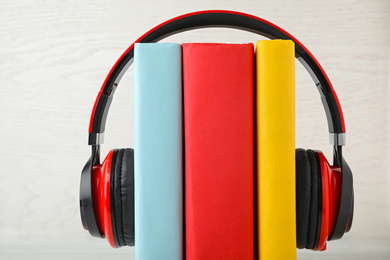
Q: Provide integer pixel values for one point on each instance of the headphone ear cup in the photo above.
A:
(122, 187)
(308, 198)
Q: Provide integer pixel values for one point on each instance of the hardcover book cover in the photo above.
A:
(219, 150)
(158, 151)
(276, 149)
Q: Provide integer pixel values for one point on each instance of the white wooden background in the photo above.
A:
(54, 56)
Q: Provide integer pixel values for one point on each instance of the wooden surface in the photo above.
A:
(54, 56)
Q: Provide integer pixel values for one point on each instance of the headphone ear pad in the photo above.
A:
(303, 196)
(127, 192)
(315, 201)
(123, 182)
(308, 198)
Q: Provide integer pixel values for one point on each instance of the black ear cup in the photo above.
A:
(122, 201)
(303, 191)
(308, 198)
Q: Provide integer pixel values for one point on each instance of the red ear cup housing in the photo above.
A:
(318, 189)
(101, 197)
(331, 190)
(113, 197)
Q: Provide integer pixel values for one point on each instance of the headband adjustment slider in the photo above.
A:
(95, 138)
(338, 139)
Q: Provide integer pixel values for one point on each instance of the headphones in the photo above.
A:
(324, 192)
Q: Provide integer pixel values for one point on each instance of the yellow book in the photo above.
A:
(275, 106)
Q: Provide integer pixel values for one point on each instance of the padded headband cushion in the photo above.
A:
(124, 196)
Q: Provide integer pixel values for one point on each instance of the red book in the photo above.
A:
(219, 150)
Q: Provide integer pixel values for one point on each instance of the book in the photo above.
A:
(275, 90)
(158, 151)
(218, 85)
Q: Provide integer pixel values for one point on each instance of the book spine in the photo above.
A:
(276, 149)
(158, 158)
(219, 150)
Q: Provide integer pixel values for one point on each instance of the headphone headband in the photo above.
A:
(228, 19)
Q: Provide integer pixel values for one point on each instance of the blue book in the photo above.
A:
(158, 151)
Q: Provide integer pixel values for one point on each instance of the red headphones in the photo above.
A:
(324, 192)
